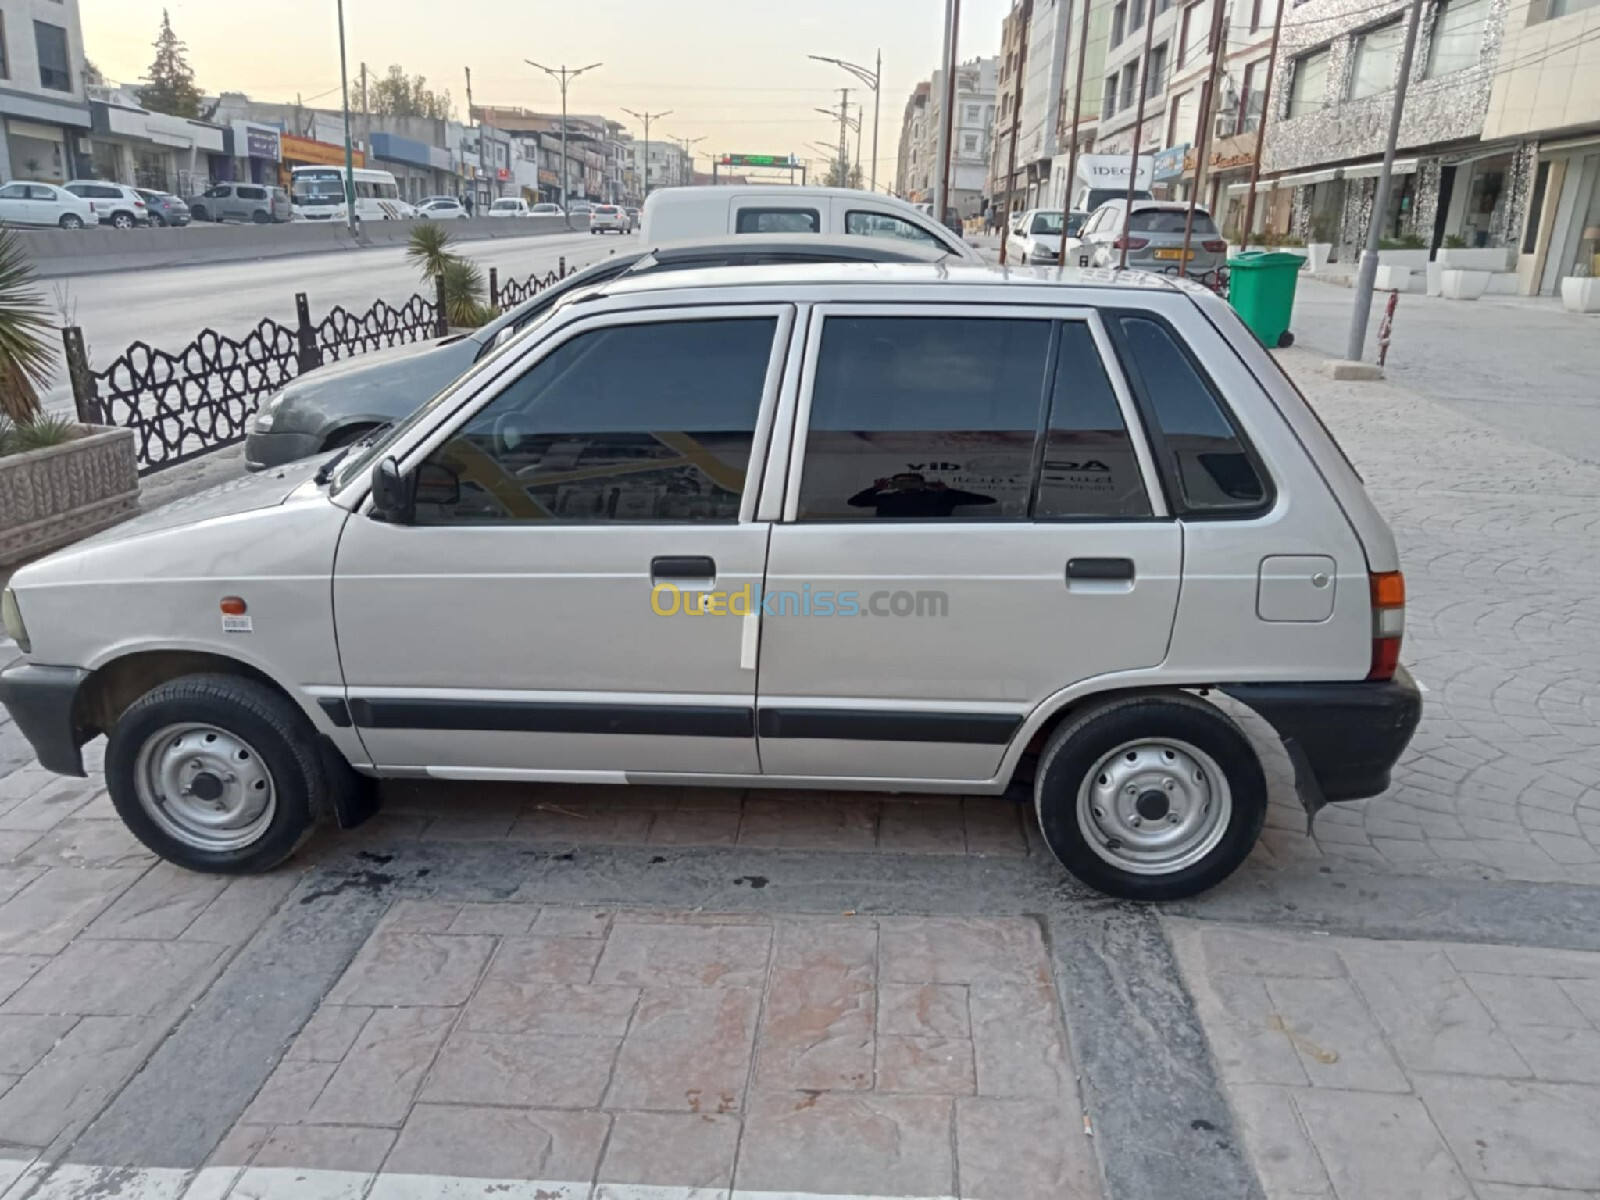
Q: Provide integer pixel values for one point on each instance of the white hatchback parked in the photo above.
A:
(891, 528)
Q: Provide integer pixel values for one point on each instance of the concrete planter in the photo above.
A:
(1415, 260)
(1463, 285)
(1581, 294)
(1433, 271)
(52, 497)
(1393, 279)
(1318, 254)
(1486, 258)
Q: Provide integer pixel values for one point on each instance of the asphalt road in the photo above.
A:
(166, 309)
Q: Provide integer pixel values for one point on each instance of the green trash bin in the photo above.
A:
(1261, 290)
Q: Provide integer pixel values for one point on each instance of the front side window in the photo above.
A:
(55, 63)
(1210, 467)
(14, 191)
(1308, 90)
(1457, 39)
(1377, 54)
(778, 220)
(885, 225)
(625, 424)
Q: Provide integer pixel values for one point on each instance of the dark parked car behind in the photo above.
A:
(337, 405)
(165, 208)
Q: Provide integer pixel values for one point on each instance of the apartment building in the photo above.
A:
(971, 133)
(44, 110)
(1049, 28)
(1002, 189)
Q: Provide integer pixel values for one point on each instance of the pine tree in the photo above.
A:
(171, 88)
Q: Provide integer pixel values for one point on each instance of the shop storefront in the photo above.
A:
(307, 152)
(252, 152)
(421, 170)
(153, 150)
(37, 149)
(1567, 197)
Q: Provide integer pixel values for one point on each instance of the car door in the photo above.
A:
(14, 207)
(968, 527)
(541, 616)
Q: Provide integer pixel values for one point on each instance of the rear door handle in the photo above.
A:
(683, 566)
(1116, 570)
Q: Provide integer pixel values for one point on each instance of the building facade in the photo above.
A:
(44, 109)
(132, 145)
(1007, 112)
(911, 170)
(1049, 27)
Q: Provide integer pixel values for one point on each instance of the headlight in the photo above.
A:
(11, 613)
(268, 412)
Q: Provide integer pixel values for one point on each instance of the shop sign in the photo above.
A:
(1169, 163)
(312, 153)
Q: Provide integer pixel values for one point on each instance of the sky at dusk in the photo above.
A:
(734, 72)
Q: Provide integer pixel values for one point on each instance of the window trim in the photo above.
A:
(800, 427)
(1156, 438)
(761, 210)
(423, 441)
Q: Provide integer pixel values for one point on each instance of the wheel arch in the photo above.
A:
(117, 683)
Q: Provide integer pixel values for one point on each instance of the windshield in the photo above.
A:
(318, 189)
(1046, 222)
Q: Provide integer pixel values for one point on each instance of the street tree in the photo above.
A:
(400, 95)
(170, 86)
(848, 179)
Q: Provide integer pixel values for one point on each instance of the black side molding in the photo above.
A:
(877, 725)
(336, 710)
(517, 716)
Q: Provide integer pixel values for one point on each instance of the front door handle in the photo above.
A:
(1105, 570)
(683, 566)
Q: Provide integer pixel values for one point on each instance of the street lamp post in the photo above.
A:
(871, 78)
(647, 117)
(352, 221)
(562, 75)
(684, 144)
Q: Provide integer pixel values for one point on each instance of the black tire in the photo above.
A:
(197, 212)
(281, 736)
(71, 221)
(122, 220)
(158, 220)
(260, 218)
(1285, 340)
(1080, 747)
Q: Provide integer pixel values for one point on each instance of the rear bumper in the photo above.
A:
(42, 701)
(1343, 738)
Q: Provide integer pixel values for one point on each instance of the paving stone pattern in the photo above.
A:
(1366, 1070)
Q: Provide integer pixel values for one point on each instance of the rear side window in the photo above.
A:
(885, 225)
(1089, 468)
(778, 220)
(252, 193)
(1162, 220)
(1207, 459)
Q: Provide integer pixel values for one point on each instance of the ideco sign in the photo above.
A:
(1111, 170)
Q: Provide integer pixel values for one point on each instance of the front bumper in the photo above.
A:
(263, 451)
(1343, 738)
(42, 701)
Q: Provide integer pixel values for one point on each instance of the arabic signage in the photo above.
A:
(255, 141)
(1168, 163)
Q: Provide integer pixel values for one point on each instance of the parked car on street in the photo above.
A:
(119, 206)
(1155, 238)
(165, 208)
(609, 218)
(257, 203)
(24, 202)
(683, 212)
(441, 208)
(1119, 504)
(345, 401)
(1036, 237)
(580, 208)
(509, 206)
(546, 210)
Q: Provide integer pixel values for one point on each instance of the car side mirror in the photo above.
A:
(436, 484)
(393, 493)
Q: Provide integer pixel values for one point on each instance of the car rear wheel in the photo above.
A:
(71, 221)
(217, 773)
(1151, 798)
(261, 218)
(158, 220)
(122, 220)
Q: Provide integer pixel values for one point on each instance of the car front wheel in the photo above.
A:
(1151, 798)
(216, 773)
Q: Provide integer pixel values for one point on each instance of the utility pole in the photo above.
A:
(1025, 18)
(366, 115)
(1072, 150)
(684, 144)
(1380, 204)
(1261, 133)
(841, 153)
(472, 124)
(1202, 135)
(647, 117)
(563, 76)
(352, 222)
(872, 78)
(1138, 128)
(952, 37)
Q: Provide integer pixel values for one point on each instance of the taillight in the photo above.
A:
(1130, 243)
(1214, 245)
(1388, 622)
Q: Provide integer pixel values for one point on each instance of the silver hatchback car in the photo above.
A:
(1155, 238)
(916, 528)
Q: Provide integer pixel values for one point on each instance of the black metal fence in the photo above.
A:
(186, 403)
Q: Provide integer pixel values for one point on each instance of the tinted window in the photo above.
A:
(252, 193)
(778, 220)
(633, 423)
(1169, 220)
(1089, 466)
(871, 224)
(1205, 454)
(924, 417)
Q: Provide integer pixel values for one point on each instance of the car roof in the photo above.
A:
(844, 247)
(1046, 281)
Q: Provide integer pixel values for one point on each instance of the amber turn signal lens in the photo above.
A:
(233, 606)
(1388, 589)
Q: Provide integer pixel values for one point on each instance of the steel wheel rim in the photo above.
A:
(205, 786)
(1154, 806)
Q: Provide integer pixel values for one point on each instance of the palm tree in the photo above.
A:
(429, 249)
(463, 293)
(26, 352)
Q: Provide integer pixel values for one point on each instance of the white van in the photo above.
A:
(673, 214)
(317, 194)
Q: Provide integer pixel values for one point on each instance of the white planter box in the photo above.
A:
(54, 496)
(1487, 258)
(1317, 254)
(1416, 260)
(1455, 284)
(1393, 279)
(1581, 294)
(1434, 270)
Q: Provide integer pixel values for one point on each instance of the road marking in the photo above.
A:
(71, 1181)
